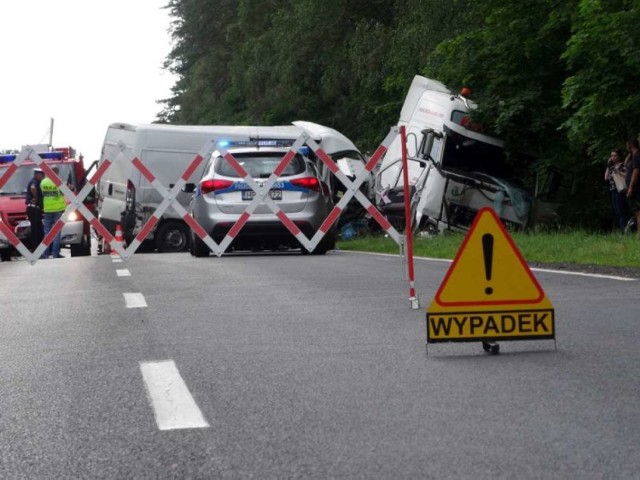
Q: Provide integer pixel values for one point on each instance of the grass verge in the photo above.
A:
(578, 247)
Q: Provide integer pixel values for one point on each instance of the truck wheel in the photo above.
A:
(198, 248)
(172, 237)
(82, 249)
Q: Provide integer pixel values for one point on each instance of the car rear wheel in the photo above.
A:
(198, 248)
(172, 237)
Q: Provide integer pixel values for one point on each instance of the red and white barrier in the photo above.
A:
(261, 197)
(29, 154)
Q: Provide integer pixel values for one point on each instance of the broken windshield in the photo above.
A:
(467, 155)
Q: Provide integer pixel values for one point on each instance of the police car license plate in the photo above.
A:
(273, 194)
(24, 224)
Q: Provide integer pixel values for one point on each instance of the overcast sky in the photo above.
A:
(83, 63)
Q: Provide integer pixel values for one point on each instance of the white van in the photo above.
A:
(454, 170)
(126, 198)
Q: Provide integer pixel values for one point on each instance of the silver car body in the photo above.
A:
(222, 196)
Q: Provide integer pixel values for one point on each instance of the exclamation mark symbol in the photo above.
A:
(487, 250)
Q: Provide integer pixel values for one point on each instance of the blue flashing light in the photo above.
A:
(51, 155)
(224, 143)
(11, 157)
(304, 150)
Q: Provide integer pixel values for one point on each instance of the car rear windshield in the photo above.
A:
(260, 165)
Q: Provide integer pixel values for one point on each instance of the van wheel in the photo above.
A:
(172, 237)
(82, 249)
(198, 248)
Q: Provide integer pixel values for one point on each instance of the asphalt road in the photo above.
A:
(291, 366)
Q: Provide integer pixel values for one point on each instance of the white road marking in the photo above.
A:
(123, 273)
(534, 269)
(116, 259)
(135, 300)
(172, 403)
(594, 275)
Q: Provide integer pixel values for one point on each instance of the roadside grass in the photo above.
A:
(577, 247)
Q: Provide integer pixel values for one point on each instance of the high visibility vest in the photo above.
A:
(52, 198)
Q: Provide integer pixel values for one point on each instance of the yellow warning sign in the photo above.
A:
(489, 291)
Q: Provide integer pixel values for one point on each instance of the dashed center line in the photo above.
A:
(172, 403)
(134, 300)
(123, 273)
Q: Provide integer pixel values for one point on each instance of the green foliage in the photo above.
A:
(601, 91)
(557, 79)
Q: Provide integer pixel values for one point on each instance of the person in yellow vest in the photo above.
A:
(53, 206)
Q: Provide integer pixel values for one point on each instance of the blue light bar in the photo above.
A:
(51, 155)
(258, 142)
(11, 157)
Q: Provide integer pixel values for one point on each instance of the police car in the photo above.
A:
(222, 196)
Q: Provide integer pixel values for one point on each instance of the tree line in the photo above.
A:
(557, 78)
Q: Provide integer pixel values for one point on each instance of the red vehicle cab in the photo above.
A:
(76, 233)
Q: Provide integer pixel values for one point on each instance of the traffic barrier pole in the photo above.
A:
(413, 298)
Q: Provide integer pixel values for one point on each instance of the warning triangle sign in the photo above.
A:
(488, 269)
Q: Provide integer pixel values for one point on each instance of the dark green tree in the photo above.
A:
(601, 92)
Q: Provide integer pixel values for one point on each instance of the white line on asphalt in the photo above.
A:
(594, 275)
(116, 259)
(135, 300)
(561, 272)
(123, 273)
(172, 403)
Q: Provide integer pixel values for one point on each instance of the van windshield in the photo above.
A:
(17, 183)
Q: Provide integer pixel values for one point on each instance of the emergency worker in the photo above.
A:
(34, 207)
(53, 205)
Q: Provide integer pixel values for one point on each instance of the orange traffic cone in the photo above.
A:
(119, 239)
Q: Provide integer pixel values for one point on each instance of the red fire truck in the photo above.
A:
(76, 233)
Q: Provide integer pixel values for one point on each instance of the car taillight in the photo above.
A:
(310, 183)
(212, 185)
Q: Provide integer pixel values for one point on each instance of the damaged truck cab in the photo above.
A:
(454, 169)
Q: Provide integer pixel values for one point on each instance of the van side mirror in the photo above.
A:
(189, 188)
(89, 169)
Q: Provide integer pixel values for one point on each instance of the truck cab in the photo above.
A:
(455, 169)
